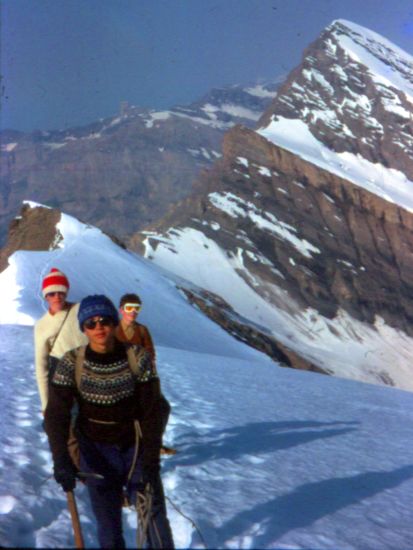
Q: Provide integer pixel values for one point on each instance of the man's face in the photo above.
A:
(56, 301)
(129, 312)
(99, 330)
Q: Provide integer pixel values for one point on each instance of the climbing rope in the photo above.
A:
(143, 509)
(191, 521)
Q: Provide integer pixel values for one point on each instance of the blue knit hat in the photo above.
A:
(96, 305)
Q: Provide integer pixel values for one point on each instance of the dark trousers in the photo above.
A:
(106, 496)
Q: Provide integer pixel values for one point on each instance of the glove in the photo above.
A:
(148, 476)
(65, 473)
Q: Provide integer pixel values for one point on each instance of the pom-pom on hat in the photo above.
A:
(96, 305)
(55, 281)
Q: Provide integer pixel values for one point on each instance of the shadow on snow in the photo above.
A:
(254, 439)
(298, 509)
(307, 504)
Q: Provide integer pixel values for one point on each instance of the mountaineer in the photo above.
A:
(129, 330)
(56, 332)
(118, 426)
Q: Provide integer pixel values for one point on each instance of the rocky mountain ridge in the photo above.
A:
(123, 172)
(298, 239)
(354, 92)
(311, 211)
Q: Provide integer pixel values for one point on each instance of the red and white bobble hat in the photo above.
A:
(55, 281)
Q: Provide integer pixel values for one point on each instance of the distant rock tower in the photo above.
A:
(124, 109)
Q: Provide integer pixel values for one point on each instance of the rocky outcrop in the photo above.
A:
(221, 313)
(348, 106)
(33, 229)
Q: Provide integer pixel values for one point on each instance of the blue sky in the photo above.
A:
(69, 62)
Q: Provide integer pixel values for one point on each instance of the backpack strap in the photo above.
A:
(80, 358)
(132, 360)
(147, 342)
(141, 332)
(51, 346)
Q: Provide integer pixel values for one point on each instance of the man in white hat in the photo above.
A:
(56, 332)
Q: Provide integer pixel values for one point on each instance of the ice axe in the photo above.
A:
(71, 502)
(77, 530)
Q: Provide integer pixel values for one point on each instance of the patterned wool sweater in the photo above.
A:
(110, 397)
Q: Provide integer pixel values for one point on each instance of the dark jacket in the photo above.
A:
(141, 336)
(110, 398)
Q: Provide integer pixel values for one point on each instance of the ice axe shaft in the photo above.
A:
(88, 475)
(77, 530)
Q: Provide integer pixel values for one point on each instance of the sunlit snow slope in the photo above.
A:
(94, 264)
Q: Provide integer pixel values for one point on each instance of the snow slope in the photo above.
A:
(388, 63)
(388, 183)
(94, 265)
(342, 346)
(268, 457)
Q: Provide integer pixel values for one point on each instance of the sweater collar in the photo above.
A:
(118, 352)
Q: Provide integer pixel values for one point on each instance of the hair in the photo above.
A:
(134, 298)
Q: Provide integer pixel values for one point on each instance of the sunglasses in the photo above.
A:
(51, 294)
(128, 308)
(90, 324)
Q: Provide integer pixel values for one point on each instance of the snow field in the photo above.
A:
(289, 462)
(267, 458)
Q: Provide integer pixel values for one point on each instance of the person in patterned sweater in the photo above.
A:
(118, 426)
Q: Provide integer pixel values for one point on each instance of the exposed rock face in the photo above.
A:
(221, 313)
(348, 106)
(358, 248)
(34, 229)
(123, 173)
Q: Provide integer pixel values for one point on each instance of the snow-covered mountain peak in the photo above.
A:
(225, 107)
(309, 216)
(382, 57)
(348, 108)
